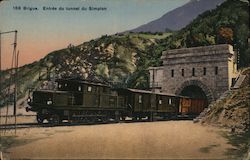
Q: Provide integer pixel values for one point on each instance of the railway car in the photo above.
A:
(77, 100)
(192, 106)
(147, 104)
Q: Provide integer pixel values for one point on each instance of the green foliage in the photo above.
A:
(228, 23)
(102, 70)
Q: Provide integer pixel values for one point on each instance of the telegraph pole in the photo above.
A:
(15, 73)
(14, 67)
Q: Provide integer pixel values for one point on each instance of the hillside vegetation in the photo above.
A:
(125, 58)
(228, 23)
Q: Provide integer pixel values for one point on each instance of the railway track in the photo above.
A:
(36, 125)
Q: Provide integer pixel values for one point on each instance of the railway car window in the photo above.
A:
(172, 73)
(160, 101)
(140, 98)
(79, 88)
(193, 72)
(169, 101)
(89, 88)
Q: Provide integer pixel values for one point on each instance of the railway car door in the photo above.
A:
(153, 102)
(140, 103)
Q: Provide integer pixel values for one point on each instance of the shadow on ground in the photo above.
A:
(241, 144)
(7, 142)
(208, 148)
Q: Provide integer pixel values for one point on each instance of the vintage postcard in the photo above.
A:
(115, 79)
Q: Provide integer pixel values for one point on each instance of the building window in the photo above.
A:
(193, 72)
(182, 72)
(216, 70)
(204, 71)
(172, 73)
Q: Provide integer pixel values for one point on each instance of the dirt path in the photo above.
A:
(171, 139)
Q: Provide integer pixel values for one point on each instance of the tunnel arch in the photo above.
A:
(197, 87)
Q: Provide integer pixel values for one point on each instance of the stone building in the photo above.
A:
(200, 72)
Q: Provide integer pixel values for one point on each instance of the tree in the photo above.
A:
(225, 35)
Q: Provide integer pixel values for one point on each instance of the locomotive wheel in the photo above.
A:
(55, 119)
(117, 117)
(39, 118)
(90, 120)
(123, 118)
(134, 118)
(104, 119)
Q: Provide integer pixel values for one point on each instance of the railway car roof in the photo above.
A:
(150, 92)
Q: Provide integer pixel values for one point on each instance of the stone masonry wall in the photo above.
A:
(178, 65)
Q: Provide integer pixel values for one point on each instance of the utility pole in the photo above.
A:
(15, 73)
(14, 67)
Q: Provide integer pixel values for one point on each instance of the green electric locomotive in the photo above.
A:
(77, 100)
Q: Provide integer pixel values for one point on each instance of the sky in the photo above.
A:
(41, 31)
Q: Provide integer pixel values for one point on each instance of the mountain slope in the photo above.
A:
(179, 17)
(108, 58)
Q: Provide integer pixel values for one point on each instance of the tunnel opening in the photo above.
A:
(193, 91)
(199, 99)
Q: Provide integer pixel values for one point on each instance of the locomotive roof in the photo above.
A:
(151, 92)
(81, 81)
